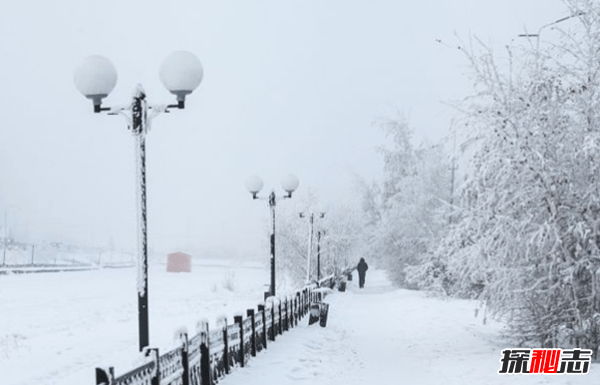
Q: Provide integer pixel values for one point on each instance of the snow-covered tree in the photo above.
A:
(528, 238)
(405, 213)
(338, 243)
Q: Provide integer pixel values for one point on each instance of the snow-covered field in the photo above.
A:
(44, 254)
(56, 328)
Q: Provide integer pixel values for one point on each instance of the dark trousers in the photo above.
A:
(361, 280)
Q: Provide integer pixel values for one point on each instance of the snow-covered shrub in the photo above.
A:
(529, 226)
(228, 281)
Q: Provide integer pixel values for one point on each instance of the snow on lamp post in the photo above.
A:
(319, 234)
(289, 184)
(319, 213)
(181, 73)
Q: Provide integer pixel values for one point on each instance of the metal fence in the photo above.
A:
(212, 353)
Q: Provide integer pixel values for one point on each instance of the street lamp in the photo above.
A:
(289, 184)
(181, 72)
(319, 233)
(320, 213)
(539, 32)
(549, 24)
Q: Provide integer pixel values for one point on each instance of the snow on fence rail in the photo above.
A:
(210, 355)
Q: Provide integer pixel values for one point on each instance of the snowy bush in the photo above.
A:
(228, 282)
(529, 227)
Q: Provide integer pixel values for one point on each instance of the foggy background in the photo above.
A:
(289, 87)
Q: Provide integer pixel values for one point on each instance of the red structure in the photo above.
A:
(179, 262)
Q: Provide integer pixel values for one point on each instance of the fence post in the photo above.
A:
(205, 371)
(225, 345)
(238, 319)
(273, 321)
(185, 362)
(155, 356)
(280, 317)
(291, 311)
(250, 313)
(298, 300)
(306, 301)
(105, 378)
(286, 323)
(261, 309)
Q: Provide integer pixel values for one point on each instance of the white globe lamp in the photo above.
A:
(254, 184)
(95, 78)
(181, 73)
(290, 184)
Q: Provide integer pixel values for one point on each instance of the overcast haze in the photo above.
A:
(289, 86)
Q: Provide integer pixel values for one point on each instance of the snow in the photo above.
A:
(96, 75)
(142, 213)
(57, 327)
(181, 71)
(69, 323)
(388, 336)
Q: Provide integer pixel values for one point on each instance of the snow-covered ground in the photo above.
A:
(56, 328)
(381, 335)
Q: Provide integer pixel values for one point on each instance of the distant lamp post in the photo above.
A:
(319, 213)
(289, 184)
(319, 234)
(539, 32)
(181, 72)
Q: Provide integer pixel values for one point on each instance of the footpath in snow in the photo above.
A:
(383, 335)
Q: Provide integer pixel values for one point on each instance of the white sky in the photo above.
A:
(289, 86)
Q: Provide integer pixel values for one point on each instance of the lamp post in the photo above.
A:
(539, 32)
(311, 221)
(181, 72)
(319, 254)
(537, 35)
(289, 184)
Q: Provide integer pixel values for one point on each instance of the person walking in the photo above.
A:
(362, 268)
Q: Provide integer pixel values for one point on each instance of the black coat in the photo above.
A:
(362, 267)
